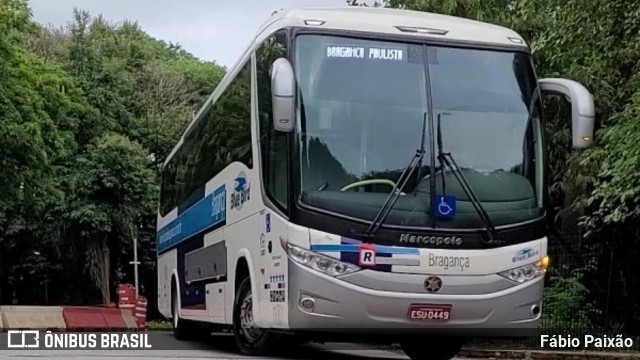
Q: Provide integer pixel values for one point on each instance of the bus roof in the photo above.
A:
(373, 20)
(394, 22)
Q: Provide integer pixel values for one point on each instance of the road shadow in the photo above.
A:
(225, 345)
(339, 351)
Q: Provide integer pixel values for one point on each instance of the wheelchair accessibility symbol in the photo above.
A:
(445, 206)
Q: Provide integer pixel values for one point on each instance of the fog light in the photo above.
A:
(308, 303)
(535, 310)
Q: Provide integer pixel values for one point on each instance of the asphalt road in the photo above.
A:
(218, 347)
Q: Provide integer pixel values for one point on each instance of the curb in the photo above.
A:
(546, 355)
(69, 318)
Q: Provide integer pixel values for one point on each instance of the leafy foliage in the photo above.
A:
(616, 199)
(566, 304)
(88, 113)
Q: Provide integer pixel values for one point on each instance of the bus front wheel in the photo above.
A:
(250, 339)
(433, 348)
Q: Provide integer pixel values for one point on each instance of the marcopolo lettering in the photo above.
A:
(430, 240)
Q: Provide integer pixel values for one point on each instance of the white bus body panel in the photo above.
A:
(215, 293)
(166, 266)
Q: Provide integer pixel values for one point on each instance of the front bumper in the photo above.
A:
(340, 306)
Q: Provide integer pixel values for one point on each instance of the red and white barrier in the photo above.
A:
(130, 314)
(83, 318)
(141, 312)
(137, 306)
(126, 294)
(32, 317)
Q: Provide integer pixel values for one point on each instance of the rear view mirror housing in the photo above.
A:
(582, 108)
(283, 85)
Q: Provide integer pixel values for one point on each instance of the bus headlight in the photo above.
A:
(318, 262)
(528, 272)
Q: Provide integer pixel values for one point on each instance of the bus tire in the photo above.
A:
(433, 348)
(250, 340)
(180, 327)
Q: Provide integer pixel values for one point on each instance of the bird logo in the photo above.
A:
(241, 182)
(241, 191)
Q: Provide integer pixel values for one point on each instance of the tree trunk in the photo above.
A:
(105, 269)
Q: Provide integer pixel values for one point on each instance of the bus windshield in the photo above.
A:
(363, 104)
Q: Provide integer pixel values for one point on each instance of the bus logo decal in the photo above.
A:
(433, 284)
(367, 255)
(241, 191)
(525, 254)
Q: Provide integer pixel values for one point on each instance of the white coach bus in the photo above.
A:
(364, 174)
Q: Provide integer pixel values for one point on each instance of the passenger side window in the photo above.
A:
(222, 135)
(168, 187)
(226, 134)
(274, 146)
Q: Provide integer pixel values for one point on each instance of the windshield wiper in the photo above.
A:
(448, 160)
(385, 209)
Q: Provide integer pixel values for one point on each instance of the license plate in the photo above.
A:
(430, 312)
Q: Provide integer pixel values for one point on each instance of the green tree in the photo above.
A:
(39, 109)
(112, 187)
(76, 103)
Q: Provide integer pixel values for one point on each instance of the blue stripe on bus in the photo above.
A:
(380, 249)
(206, 213)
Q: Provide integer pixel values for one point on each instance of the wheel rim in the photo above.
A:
(248, 328)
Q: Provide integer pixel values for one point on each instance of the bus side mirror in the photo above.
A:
(283, 85)
(582, 108)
